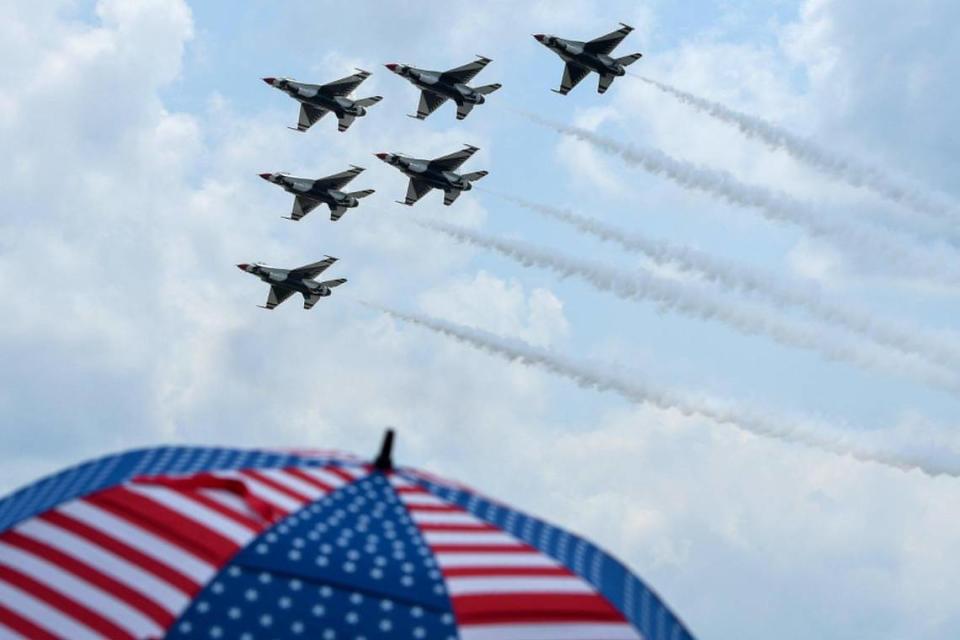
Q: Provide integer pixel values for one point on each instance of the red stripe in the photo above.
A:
(533, 607)
(480, 527)
(481, 548)
(23, 626)
(417, 490)
(62, 603)
(117, 547)
(179, 529)
(505, 571)
(276, 486)
(309, 479)
(435, 508)
(91, 575)
(337, 471)
(249, 523)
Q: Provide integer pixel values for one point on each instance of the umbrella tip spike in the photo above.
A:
(384, 461)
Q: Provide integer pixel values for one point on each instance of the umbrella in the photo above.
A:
(200, 542)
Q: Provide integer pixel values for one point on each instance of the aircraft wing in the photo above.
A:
(309, 115)
(309, 271)
(608, 42)
(277, 295)
(302, 206)
(344, 86)
(416, 190)
(338, 180)
(429, 102)
(452, 161)
(573, 73)
(465, 73)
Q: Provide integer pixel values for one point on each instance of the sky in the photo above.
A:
(133, 135)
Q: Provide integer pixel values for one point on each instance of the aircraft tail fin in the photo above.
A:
(630, 59)
(368, 102)
(487, 88)
(474, 176)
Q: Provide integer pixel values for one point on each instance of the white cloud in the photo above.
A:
(501, 307)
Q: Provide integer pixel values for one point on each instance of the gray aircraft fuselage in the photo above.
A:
(281, 278)
(573, 51)
(433, 82)
(304, 187)
(420, 169)
(312, 95)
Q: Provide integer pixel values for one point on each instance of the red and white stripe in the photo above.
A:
(502, 588)
(125, 562)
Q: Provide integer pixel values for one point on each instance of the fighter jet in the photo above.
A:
(438, 173)
(286, 282)
(439, 86)
(317, 99)
(584, 57)
(309, 193)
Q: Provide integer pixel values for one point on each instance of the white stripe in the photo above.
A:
(231, 501)
(400, 482)
(140, 539)
(79, 590)
(266, 493)
(43, 615)
(355, 471)
(492, 537)
(446, 517)
(422, 499)
(195, 511)
(477, 585)
(155, 589)
(562, 631)
(327, 478)
(293, 483)
(453, 560)
(6, 633)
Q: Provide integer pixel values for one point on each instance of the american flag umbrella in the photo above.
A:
(198, 542)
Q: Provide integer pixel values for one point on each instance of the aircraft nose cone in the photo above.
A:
(382, 156)
(269, 81)
(243, 267)
(266, 176)
(392, 66)
(539, 36)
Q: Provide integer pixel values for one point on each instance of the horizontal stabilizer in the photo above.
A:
(474, 176)
(450, 195)
(361, 194)
(463, 110)
(605, 81)
(488, 88)
(630, 59)
(344, 123)
(369, 102)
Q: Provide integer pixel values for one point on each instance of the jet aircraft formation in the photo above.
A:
(436, 88)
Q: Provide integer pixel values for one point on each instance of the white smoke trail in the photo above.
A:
(697, 302)
(933, 459)
(847, 169)
(867, 240)
(936, 348)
